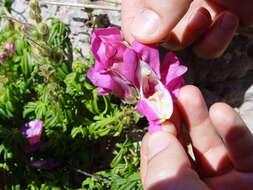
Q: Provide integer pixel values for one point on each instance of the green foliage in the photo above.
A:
(85, 134)
(7, 4)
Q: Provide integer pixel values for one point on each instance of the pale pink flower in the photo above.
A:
(10, 47)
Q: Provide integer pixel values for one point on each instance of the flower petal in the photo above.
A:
(171, 73)
(32, 131)
(105, 81)
(153, 127)
(156, 102)
(144, 108)
(149, 54)
(127, 69)
(107, 34)
(106, 44)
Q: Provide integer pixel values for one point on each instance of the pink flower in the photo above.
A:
(171, 74)
(10, 47)
(157, 93)
(2, 57)
(32, 131)
(115, 64)
(136, 74)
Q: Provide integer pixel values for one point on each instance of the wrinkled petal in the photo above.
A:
(107, 34)
(171, 73)
(149, 54)
(105, 81)
(107, 44)
(128, 67)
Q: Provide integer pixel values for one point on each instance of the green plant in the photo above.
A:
(85, 143)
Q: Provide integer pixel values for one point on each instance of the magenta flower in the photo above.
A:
(136, 73)
(171, 74)
(10, 47)
(32, 131)
(115, 65)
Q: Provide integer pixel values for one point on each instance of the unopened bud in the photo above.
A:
(10, 47)
(43, 29)
(33, 4)
(32, 14)
(38, 19)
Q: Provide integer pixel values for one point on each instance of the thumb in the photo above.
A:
(154, 21)
(165, 165)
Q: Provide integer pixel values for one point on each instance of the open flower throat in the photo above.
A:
(135, 75)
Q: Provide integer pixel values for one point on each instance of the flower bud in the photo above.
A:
(35, 16)
(38, 19)
(10, 47)
(43, 29)
(33, 4)
(32, 14)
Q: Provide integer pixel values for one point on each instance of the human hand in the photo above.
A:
(222, 144)
(207, 24)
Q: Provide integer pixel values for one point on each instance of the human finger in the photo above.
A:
(166, 163)
(154, 20)
(129, 9)
(218, 37)
(190, 28)
(208, 147)
(235, 134)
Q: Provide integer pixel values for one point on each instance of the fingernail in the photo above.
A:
(228, 22)
(146, 23)
(157, 142)
(200, 20)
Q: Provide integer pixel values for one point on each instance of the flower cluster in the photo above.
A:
(135, 75)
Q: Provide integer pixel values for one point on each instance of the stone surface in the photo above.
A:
(74, 17)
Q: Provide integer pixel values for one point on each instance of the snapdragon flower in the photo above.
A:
(134, 73)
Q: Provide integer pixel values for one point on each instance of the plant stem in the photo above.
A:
(91, 6)
(16, 20)
(113, 1)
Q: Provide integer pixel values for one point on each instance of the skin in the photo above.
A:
(208, 25)
(222, 146)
